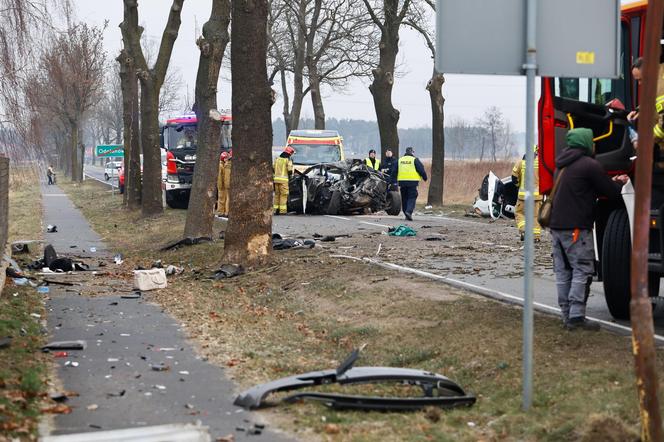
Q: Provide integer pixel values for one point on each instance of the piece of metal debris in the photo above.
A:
(437, 390)
(65, 345)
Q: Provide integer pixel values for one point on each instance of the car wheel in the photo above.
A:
(393, 203)
(616, 251)
(335, 203)
(106, 177)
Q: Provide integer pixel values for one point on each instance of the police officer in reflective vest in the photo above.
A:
(519, 179)
(372, 161)
(409, 173)
(283, 168)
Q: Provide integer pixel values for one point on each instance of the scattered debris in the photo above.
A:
(71, 363)
(6, 341)
(160, 387)
(21, 281)
(118, 394)
(60, 354)
(401, 230)
(186, 242)
(134, 295)
(51, 281)
(20, 248)
(160, 367)
(228, 271)
(92, 407)
(152, 279)
(227, 438)
(328, 238)
(284, 244)
(438, 390)
(332, 429)
(433, 238)
(157, 264)
(118, 259)
(173, 270)
(43, 290)
(51, 229)
(93, 249)
(65, 345)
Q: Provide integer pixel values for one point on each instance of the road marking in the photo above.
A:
(338, 217)
(374, 224)
(108, 183)
(494, 294)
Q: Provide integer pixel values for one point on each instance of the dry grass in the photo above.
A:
(23, 370)
(307, 311)
(463, 178)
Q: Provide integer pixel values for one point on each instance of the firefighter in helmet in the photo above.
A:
(519, 179)
(283, 168)
(223, 184)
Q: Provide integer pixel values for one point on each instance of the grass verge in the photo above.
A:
(306, 311)
(23, 370)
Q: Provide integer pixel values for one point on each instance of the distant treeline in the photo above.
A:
(463, 140)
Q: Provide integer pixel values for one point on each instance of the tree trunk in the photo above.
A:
(383, 80)
(316, 98)
(200, 215)
(73, 147)
(151, 200)
(284, 92)
(151, 80)
(437, 178)
(130, 121)
(248, 235)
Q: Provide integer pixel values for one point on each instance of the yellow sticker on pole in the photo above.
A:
(585, 58)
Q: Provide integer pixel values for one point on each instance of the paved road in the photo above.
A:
(488, 273)
(97, 172)
(113, 375)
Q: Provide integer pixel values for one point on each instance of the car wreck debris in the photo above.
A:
(345, 187)
(228, 271)
(65, 345)
(285, 244)
(437, 390)
(151, 279)
(497, 197)
(51, 229)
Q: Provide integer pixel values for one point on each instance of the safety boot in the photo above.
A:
(581, 324)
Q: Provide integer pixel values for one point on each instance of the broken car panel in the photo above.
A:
(497, 197)
(437, 390)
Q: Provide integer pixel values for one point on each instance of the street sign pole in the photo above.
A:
(531, 70)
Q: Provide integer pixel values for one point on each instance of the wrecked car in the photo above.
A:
(497, 197)
(345, 187)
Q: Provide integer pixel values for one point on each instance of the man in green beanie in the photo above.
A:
(580, 181)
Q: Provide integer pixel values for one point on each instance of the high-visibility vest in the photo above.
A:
(376, 166)
(522, 180)
(407, 170)
(281, 168)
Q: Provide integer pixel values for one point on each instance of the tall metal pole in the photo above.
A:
(531, 69)
(643, 341)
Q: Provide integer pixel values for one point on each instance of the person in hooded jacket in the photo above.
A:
(580, 181)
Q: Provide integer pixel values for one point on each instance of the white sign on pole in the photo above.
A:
(575, 38)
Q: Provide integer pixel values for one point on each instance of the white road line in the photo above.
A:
(108, 183)
(338, 217)
(374, 224)
(494, 294)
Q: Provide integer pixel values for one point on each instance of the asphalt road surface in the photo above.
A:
(97, 172)
(474, 253)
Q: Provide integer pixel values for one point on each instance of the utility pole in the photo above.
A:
(643, 340)
(530, 67)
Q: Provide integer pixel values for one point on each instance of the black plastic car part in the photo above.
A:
(437, 390)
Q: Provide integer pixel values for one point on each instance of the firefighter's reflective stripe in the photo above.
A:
(522, 180)
(659, 104)
(658, 131)
(281, 168)
(407, 170)
(368, 163)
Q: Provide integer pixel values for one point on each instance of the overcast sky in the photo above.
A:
(467, 96)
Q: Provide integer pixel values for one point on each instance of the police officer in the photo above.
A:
(223, 184)
(283, 168)
(389, 166)
(409, 173)
(519, 179)
(372, 161)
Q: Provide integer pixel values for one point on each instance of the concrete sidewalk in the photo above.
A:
(117, 386)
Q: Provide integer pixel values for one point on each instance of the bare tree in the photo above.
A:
(151, 79)
(171, 91)
(200, 215)
(248, 235)
(388, 16)
(131, 130)
(71, 77)
(419, 20)
(493, 123)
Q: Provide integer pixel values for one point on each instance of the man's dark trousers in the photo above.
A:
(408, 197)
